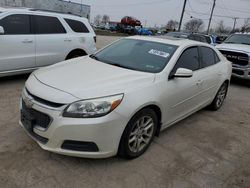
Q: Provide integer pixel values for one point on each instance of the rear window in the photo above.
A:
(209, 57)
(77, 26)
(48, 25)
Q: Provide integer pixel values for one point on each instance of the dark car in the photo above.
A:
(201, 38)
(221, 38)
(178, 35)
(192, 36)
(130, 30)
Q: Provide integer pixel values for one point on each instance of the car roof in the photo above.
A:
(240, 33)
(40, 11)
(169, 40)
(177, 33)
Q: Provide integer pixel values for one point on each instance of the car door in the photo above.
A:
(17, 44)
(184, 93)
(211, 76)
(52, 43)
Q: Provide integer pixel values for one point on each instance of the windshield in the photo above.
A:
(238, 39)
(137, 55)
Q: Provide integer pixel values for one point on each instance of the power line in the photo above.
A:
(216, 15)
(133, 4)
(235, 10)
(191, 16)
(191, 7)
(223, 7)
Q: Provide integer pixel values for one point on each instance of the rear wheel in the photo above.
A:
(138, 134)
(220, 97)
(75, 54)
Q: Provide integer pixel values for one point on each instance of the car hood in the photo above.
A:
(87, 78)
(234, 47)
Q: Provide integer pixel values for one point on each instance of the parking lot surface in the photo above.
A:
(208, 149)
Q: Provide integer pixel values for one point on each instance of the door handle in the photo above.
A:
(199, 82)
(27, 41)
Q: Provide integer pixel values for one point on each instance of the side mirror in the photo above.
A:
(1, 30)
(183, 73)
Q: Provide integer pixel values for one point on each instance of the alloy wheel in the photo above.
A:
(141, 134)
(221, 95)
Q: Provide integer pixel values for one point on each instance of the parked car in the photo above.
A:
(236, 48)
(193, 36)
(130, 30)
(102, 26)
(201, 38)
(144, 31)
(182, 35)
(116, 100)
(220, 39)
(113, 26)
(31, 38)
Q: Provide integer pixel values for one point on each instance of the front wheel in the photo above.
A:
(138, 134)
(220, 97)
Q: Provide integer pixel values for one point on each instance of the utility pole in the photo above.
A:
(182, 14)
(81, 6)
(235, 19)
(211, 15)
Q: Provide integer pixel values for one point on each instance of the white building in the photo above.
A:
(55, 5)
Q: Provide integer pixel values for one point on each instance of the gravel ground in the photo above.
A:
(208, 149)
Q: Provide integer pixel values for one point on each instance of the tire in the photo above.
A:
(138, 134)
(75, 54)
(219, 98)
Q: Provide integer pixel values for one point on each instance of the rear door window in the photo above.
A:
(16, 24)
(48, 25)
(77, 26)
(208, 57)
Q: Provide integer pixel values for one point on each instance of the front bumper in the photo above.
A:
(104, 131)
(243, 73)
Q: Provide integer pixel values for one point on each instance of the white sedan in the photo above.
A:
(116, 100)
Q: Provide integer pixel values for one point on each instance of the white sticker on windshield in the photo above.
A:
(159, 53)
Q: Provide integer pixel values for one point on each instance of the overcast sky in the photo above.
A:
(158, 12)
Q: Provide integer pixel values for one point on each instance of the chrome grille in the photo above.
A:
(236, 58)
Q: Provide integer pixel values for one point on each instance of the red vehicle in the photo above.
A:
(127, 20)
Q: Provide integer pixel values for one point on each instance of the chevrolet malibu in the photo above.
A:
(114, 102)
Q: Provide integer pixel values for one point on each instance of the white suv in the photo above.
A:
(31, 38)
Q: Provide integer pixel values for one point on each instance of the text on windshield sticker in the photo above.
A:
(159, 53)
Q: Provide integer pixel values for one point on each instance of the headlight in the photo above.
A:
(93, 107)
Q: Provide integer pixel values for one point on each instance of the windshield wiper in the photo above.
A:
(230, 42)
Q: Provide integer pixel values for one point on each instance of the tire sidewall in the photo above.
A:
(124, 150)
(214, 104)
